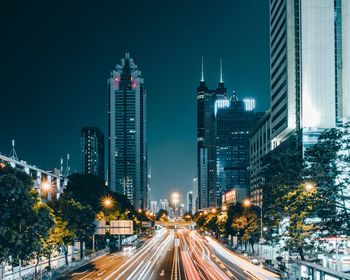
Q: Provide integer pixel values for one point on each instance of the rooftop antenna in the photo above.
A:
(221, 81)
(13, 154)
(202, 79)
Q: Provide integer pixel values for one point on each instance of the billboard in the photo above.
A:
(122, 227)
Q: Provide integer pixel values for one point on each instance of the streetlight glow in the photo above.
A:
(107, 202)
(46, 186)
(247, 203)
(309, 187)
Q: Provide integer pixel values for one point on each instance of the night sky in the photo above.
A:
(56, 56)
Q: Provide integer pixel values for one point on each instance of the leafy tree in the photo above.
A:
(58, 237)
(211, 223)
(80, 218)
(221, 223)
(90, 190)
(327, 167)
(299, 228)
(162, 215)
(187, 216)
(23, 219)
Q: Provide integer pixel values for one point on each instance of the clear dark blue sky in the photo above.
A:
(56, 57)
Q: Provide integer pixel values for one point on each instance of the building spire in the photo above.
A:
(221, 81)
(202, 79)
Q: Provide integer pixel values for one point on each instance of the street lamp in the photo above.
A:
(309, 187)
(213, 211)
(107, 202)
(224, 208)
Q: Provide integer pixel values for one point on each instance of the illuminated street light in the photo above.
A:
(46, 186)
(213, 211)
(139, 210)
(247, 203)
(205, 212)
(309, 187)
(107, 202)
(224, 208)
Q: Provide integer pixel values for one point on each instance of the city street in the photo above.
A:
(172, 254)
(151, 261)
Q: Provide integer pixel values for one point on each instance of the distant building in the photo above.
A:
(235, 195)
(49, 184)
(206, 141)
(154, 206)
(92, 151)
(127, 164)
(164, 204)
(234, 119)
(189, 201)
(195, 202)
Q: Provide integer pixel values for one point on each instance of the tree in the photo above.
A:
(162, 215)
(57, 238)
(244, 222)
(24, 220)
(80, 218)
(327, 167)
(221, 223)
(187, 216)
(299, 229)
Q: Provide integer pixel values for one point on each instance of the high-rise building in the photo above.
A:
(206, 141)
(164, 204)
(127, 164)
(154, 206)
(195, 201)
(260, 146)
(234, 119)
(189, 201)
(92, 151)
(309, 80)
(310, 68)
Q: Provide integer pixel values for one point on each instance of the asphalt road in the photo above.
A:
(153, 260)
(179, 254)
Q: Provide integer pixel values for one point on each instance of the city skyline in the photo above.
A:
(70, 93)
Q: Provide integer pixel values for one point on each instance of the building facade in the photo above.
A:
(92, 151)
(234, 195)
(309, 81)
(49, 184)
(260, 145)
(234, 119)
(206, 142)
(127, 156)
(189, 201)
(195, 202)
(310, 68)
(154, 206)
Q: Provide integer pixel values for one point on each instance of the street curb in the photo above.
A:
(77, 267)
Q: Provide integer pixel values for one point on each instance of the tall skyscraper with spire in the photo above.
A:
(206, 140)
(127, 156)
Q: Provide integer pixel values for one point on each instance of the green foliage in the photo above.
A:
(24, 220)
(162, 215)
(187, 216)
(90, 189)
(80, 218)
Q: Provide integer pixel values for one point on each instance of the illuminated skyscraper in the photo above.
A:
(310, 68)
(206, 141)
(127, 164)
(92, 151)
(234, 119)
